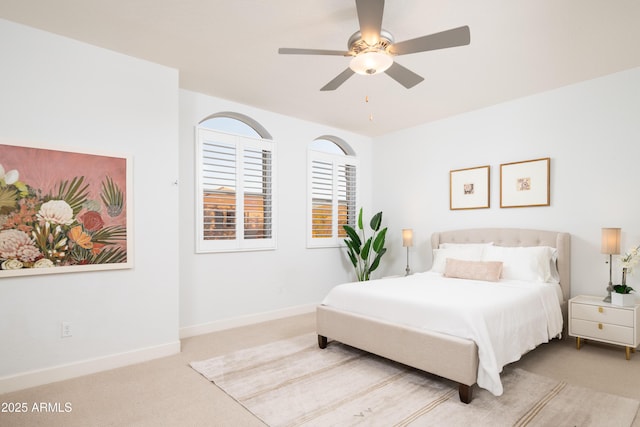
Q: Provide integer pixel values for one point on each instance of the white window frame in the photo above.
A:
(336, 161)
(239, 243)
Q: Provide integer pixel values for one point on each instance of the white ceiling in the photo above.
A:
(228, 49)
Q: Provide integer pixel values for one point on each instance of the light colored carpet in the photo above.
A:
(293, 382)
(167, 392)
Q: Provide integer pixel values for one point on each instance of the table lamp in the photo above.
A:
(407, 241)
(610, 246)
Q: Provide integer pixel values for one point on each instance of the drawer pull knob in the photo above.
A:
(599, 325)
(600, 309)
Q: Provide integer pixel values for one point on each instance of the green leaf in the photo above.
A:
(22, 188)
(351, 247)
(376, 221)
(112, 197)
(74, 194)
(8, 200)
(352, 256)
(622, 289)
(365, 250)
(376, 261)
(378, 244)
(360, 226)
(355, 239)
(110, 235)
(110, 256)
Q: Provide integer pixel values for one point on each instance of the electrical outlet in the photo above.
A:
(66, 330)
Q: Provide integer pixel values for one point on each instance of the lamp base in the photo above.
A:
(407, 270)
(609, 290)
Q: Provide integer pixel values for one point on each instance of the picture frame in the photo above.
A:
(525, 184)
(63, 211)
(469, 188)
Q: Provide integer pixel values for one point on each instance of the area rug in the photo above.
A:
(295, 383)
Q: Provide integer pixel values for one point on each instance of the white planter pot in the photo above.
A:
(624, 300)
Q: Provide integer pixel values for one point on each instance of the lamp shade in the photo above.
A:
(407, 237)
(371, 62)
(610, 241)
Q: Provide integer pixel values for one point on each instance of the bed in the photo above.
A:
(443, 354)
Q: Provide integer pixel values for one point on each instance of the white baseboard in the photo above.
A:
(90, 366)
(85, 367)
(220, 325)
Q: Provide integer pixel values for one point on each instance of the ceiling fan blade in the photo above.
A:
(340, 78)
(295, 51)
(450, 38)
(404, 76)
(370, 19)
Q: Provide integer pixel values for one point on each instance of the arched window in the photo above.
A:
(235, 202)
(229, 124)
(332, 193)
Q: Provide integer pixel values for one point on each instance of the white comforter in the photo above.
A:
(505, 319)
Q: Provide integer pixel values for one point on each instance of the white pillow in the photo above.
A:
(462, 252)
(532, 263)
(553, 266)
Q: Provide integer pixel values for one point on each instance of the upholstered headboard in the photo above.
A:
(517, 237)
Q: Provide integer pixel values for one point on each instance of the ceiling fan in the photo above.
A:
(372, 49)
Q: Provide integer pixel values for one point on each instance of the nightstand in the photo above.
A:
(591, 318)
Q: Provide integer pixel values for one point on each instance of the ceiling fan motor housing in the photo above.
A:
(357, 45)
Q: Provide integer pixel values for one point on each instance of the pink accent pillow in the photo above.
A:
(488, 271)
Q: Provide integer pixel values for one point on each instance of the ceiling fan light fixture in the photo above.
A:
(371, 62)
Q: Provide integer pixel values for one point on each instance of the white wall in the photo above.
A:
(589, 130)
(59, 93)
(215, 288)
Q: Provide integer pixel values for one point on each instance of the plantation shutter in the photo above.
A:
(332, 198)
(257, 194)
(346, 197)
(322, 199)
(219, 190)
(237, 192)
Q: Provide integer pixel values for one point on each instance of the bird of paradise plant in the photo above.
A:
(366, 257)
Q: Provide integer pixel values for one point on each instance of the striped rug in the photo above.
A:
(294, 383)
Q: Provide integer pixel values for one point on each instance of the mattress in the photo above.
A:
(505, 319)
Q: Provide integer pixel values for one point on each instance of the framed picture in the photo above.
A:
(63, 211)
(525, 183)
(469, 188)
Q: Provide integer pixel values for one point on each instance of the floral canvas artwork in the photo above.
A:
(62, 211)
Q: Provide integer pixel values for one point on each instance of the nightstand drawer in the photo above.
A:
(602, 331)
(595, 313)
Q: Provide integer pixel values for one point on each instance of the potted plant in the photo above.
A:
(622, 295)
(365, 253)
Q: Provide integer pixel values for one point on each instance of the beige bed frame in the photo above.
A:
(440, 354)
